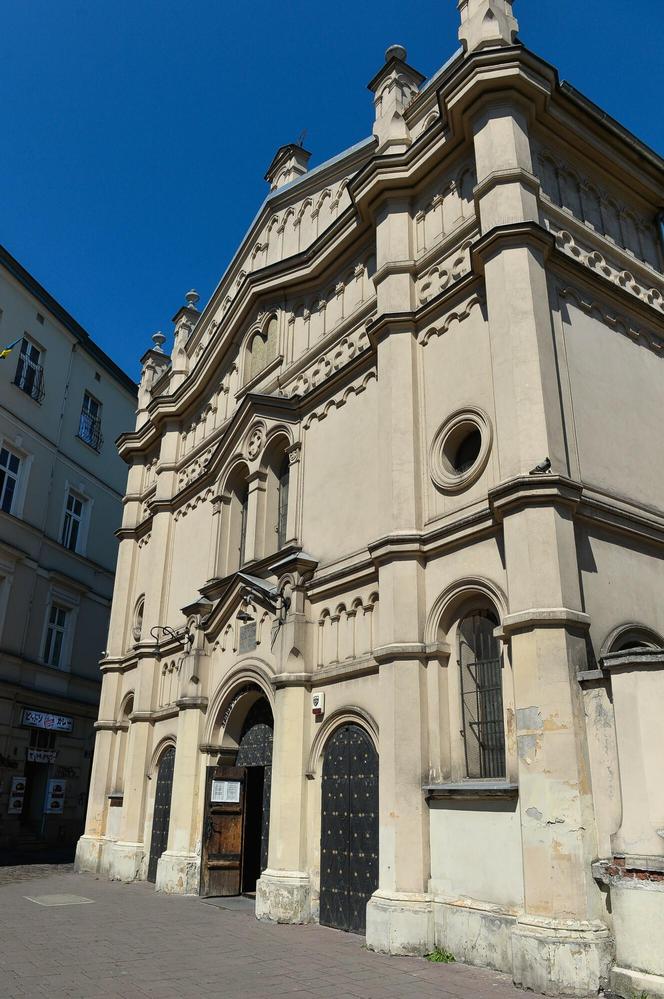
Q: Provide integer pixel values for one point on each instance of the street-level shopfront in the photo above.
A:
(45, 752)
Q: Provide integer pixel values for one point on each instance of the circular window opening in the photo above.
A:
(462, 449)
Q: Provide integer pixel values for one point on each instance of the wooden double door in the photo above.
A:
(349, 829)
(236, 819)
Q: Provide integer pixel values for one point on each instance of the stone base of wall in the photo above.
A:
(399, 923)
(284, 896)
(127, 862)
(638, 918)
(480, 936)
(88, 854)
(561, 957)
(178, 873)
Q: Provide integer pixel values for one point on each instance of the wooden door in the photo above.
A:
(349, 829)
(223, 831)
(162, 811)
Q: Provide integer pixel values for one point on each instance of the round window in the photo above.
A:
(460, 450)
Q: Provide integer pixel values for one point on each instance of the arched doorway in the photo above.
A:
(237, 802)
(162, 811)
(349, 829)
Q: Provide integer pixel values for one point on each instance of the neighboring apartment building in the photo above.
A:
(387, 638)
(63, 402)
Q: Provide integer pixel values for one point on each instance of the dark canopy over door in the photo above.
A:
(349, 829)
(162, 811)
(223, 833)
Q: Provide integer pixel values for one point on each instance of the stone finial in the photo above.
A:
(394, 86)
(158, 339)
(192, 298)
(289, 162)
(486, 24)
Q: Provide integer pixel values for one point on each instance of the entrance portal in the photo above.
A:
(237, 811)
(349, 830)
(162, 811)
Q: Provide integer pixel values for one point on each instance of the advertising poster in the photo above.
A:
(16, 796)
(54, 803)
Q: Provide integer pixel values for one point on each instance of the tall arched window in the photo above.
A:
(244, 511)
(282, 516)
(481, 696)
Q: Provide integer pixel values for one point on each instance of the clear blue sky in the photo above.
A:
(135, 133)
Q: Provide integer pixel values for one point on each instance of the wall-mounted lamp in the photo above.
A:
(164, 628)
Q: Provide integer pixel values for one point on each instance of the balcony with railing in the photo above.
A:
(89, 430)
(29, 378)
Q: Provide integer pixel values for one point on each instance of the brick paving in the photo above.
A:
(133, 943)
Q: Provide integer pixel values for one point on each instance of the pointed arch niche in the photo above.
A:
(273, 523)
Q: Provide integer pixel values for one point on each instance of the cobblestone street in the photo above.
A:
(106, 939)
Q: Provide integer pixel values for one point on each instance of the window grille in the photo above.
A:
(9, 469)
(71, 525)
(55, 635)
(89, 425)
(282, 522)
(29, 373)
(481, 696)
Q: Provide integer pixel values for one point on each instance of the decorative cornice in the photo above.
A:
(533, 490)
(544, 617)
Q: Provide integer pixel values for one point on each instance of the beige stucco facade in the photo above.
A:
(62, 404)
(449, 338)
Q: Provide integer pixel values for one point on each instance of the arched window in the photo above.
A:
(481, 696)
(137, 626)
(282, 515)
(244, 511)
(232, 540)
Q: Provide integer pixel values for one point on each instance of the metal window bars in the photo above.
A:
(482, 698)
(89, 430)
(29, 377)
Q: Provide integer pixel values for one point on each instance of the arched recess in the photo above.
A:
(234, 848)
(122, 739)
(163, 766)
(342, 716)
(273, 509)
(475, 689)
(631, 635)
(232, 534)
(349, 827)
(261, 348)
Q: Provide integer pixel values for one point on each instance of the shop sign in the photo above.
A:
(41, 755)
(54, 803)
(41, 719)
(16, 796)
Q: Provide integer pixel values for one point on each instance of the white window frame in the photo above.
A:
(60, 597)
(25, 458)
(35, 345)
(77, 489)
(55, 628)
(9, 475)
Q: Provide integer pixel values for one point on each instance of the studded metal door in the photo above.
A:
(349, 829)
(162, 811)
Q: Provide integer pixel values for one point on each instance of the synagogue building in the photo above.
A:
(387, 636)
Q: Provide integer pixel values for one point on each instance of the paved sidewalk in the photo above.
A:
(131, 943)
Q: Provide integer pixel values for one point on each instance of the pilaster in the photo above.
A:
(283, 892)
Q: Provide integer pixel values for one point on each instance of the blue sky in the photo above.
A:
(136, 133)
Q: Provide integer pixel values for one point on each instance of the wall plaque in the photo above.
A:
(225, 791)
(248, 637)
